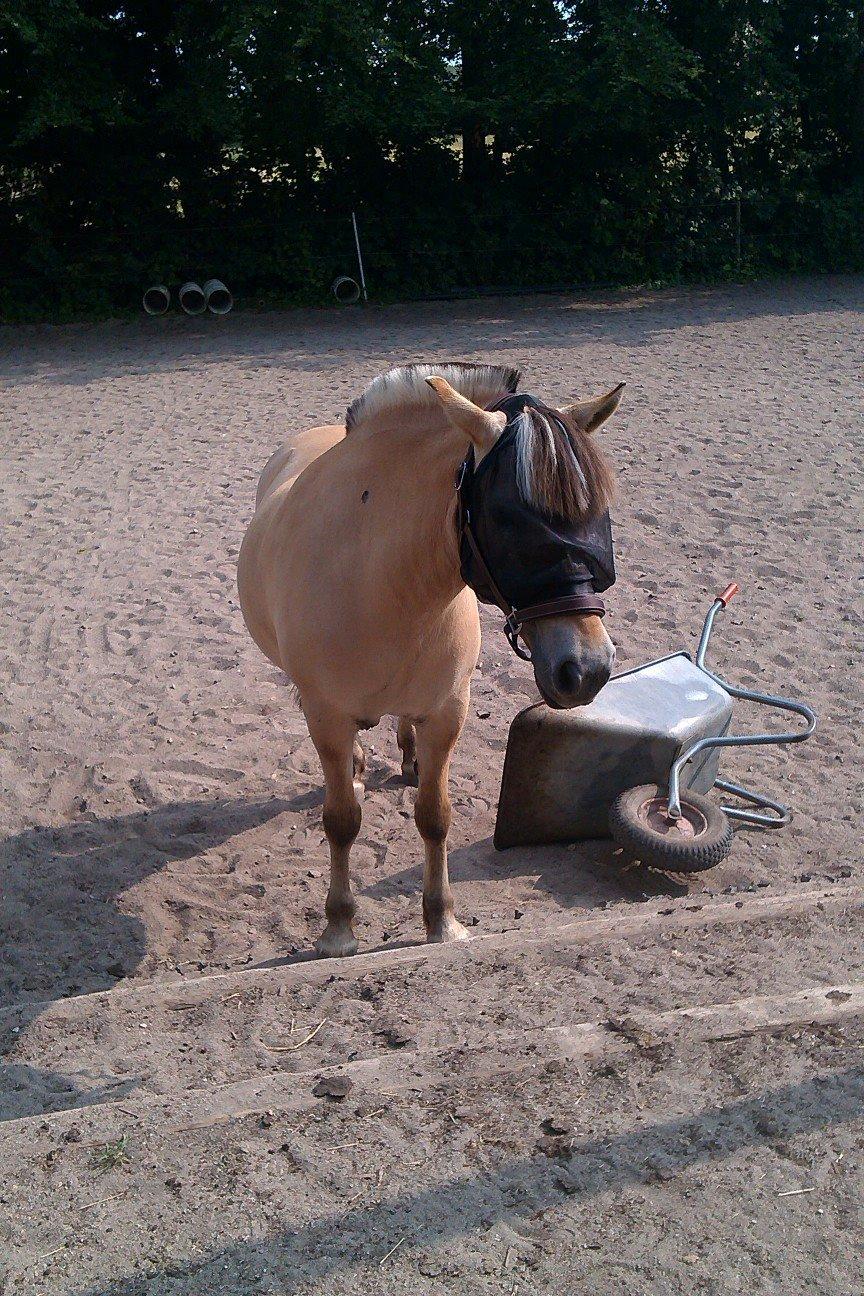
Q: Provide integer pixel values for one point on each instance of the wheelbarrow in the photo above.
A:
(637, 762)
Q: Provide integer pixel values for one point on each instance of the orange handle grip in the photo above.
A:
(729, 593)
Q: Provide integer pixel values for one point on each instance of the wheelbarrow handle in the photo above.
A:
(736, 740)
(721, 601)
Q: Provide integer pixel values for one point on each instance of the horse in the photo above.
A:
(351, 582)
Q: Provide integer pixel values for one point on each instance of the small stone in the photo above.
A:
(768, 1126)
(335, 1087)
(565, 1181)
(557, 1149)
(555, 1125)
(395, 1036)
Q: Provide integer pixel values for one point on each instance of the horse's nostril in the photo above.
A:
(601, 675)
(568, 678)
(571, 681)
(596, 678)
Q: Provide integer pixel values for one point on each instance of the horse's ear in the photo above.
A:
(589, 414)
(483, 427)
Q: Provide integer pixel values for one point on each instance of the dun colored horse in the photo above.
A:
(349, 580)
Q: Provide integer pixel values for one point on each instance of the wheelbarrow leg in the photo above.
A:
(781, 817)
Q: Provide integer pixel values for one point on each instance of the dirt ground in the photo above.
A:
(164, 867)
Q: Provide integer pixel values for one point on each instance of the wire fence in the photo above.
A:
(288, 257)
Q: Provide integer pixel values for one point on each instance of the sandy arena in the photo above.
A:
(193, 1106)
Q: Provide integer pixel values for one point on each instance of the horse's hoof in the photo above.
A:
(336, 944)
(446, 931)
(410, 774)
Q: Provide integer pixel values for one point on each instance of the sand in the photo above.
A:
(161, 799)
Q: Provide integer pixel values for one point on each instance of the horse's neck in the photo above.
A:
(421, 467)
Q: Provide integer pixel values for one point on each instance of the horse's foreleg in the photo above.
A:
(406, 737)
(436, 738)
(334, 742)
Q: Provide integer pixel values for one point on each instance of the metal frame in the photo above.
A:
(781, 814)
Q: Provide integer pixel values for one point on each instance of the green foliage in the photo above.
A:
(483, 143)
(113, 1155)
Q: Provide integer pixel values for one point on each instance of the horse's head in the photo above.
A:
(535, 535)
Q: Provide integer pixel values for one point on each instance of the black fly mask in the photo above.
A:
(512, 554)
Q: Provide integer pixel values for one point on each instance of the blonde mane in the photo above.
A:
(405, 388)
(559, 467)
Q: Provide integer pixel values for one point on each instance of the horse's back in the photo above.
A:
(286, 465)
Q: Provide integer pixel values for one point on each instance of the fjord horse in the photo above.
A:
(349, 580)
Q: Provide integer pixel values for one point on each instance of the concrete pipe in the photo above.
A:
(192, 299)
(346, 290)
(156, 299)
(217, 296)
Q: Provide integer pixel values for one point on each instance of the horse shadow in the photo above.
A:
(582, 876)
(63, 931)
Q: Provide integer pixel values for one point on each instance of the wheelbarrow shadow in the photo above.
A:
(582, 875)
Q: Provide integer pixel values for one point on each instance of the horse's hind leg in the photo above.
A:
(334, 737)
(406, 737)
(436, 738)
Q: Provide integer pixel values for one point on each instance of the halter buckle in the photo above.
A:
(512, 626)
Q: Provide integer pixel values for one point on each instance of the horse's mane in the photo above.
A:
(560, 469)
(405, 388)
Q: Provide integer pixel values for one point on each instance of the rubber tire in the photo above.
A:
(674, 855)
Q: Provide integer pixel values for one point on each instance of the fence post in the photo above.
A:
(359, 256)
(738, 231)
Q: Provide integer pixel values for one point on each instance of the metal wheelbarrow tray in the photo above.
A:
(637, 761)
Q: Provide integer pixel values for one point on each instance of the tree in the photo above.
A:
(501, 141)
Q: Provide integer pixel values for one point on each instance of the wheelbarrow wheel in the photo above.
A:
(639, 821)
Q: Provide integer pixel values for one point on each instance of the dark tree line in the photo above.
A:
(482, 143)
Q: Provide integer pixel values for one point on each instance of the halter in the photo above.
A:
(514, 617)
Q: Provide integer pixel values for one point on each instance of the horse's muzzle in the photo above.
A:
(570, 668)
(572, 687)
